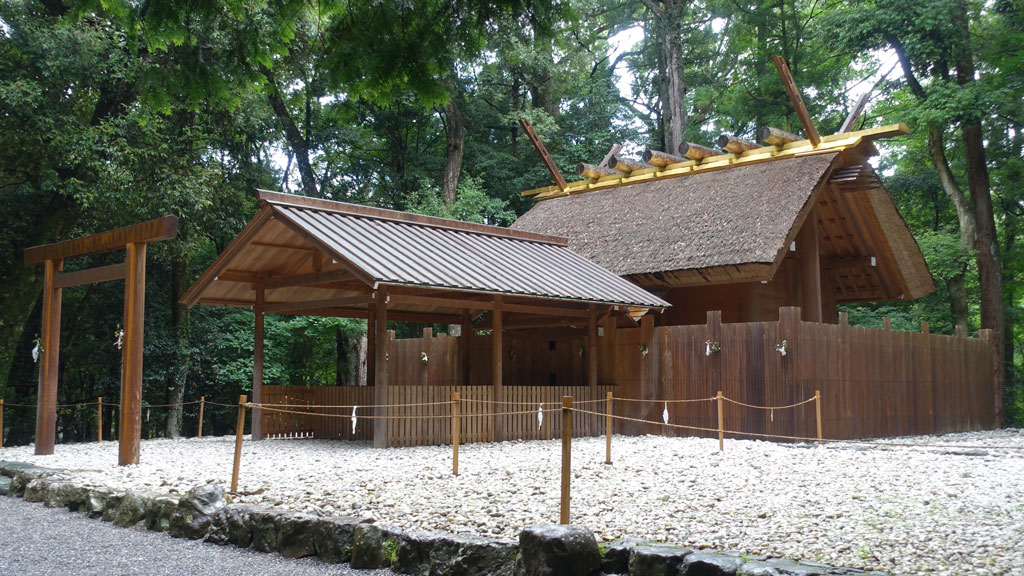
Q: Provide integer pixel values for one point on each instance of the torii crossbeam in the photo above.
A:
(133, 240)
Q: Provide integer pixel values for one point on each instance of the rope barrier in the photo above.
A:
(261, 405)
(712, 399)
(727, 399)
(392, 417)
(801, 438)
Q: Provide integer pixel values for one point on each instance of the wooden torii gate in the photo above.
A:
(133, 240)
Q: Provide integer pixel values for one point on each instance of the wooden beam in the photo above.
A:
(49, 361)
(257, 365)
(396, 315)
(225, 302)
(162, 228)
(696, 151)
(776, 137)
(497, 356)
(456, 303)
(371, 344)
(529, 323)
(591, 351)
(594, 172)
(735, 145)
(796, 99)
(465, 341)
(288, 307)
(90, 276)
(661, 159)
(808, 253)
(628, 165)
(130, 429)
(380, 383)
(543, 152)
(855, 113)
(284, 246)
(272, 282)
(545, 310)
(615, 149)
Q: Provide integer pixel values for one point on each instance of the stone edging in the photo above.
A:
(204, 513)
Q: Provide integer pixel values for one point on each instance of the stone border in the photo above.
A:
(205, 513)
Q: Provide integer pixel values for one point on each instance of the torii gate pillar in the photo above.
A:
(133, 240)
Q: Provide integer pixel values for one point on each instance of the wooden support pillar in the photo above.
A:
(131, 355)
(425, 345)
(807, 252)
(46, 407)
(592, 347)
(497, 355)
(371, 344)
(380, 375)
(465, 343)
(257, 366)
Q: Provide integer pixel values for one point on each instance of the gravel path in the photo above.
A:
(38, 541)
(908, 510)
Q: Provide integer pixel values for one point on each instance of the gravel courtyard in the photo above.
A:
(908, 510)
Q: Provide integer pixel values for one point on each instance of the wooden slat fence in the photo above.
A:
(874, 383)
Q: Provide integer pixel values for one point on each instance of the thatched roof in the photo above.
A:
(736, 223)
(725, 218)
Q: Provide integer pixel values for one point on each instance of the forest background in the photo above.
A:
(114, 112)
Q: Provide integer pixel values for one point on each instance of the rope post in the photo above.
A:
(239, 431)
(1, 422)
(566, 457)
(456, 400)
(721, 429)
(608, 431)
(817, 406)
(202, 408)
(99, 418)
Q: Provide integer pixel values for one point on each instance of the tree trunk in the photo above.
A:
(958, 310)
(675, 115)
(455, 134)
(296, 141)
(181, 327)
(990, 276)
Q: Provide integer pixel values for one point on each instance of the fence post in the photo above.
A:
(566, 457)
(608, 431)
(99, 418)
(239, 431)
(721, 429)
(1, 422)
(817, 406)
(202, 407)
(456, 400)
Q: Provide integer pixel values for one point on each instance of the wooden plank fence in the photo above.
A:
(874, 383)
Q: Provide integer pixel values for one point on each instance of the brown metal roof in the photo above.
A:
(400, 249)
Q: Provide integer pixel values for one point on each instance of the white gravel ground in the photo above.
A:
(907, 510)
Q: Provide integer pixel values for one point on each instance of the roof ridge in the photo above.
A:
(361, 211)
(797, 149)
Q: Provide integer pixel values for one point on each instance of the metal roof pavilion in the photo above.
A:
(318, 257)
